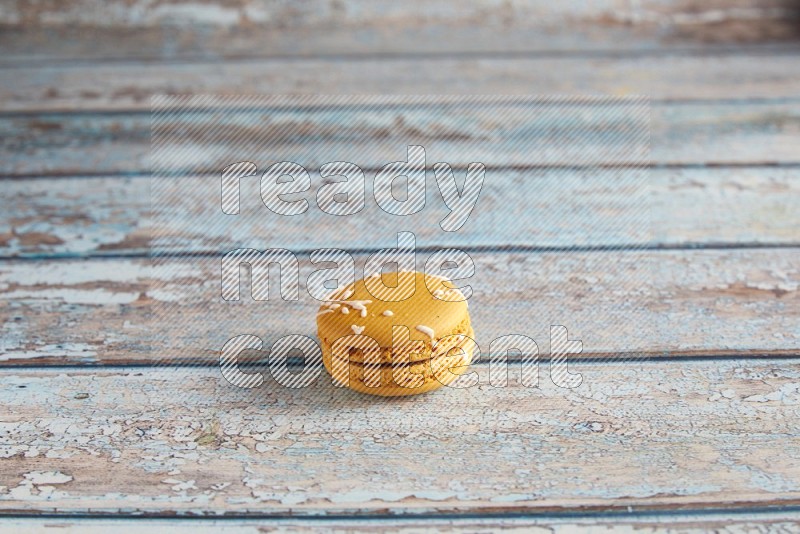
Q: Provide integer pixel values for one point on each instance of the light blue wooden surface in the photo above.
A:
(707, 426)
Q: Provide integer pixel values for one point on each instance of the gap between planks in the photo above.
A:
(530, 249)
(720, 51)
(682, 521)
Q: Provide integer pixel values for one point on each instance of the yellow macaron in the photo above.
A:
(374, 343)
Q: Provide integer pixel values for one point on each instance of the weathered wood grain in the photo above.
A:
(649, 304)
(688, 207)
(386, 14)
(670, 523)
(90, 30)
(657, 437)
(643, 437)
(128, 86)
(681, 134)
(310, 14)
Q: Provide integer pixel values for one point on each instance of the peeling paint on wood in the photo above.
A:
(321, 14)
(136, 444)
(90, 29)
(652, 303)
(656, 438)
(129, 86)
(688, 207)
(682, 134)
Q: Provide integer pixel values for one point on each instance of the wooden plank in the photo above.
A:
(683, 523)
(385, 13)
(702, 435)
(128, 86)
(681, 134)
(688, 207)
(71, 45)
(641, 304)
(89, 30)
(311, 14)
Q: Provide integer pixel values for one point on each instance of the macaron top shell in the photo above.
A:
(424, 314)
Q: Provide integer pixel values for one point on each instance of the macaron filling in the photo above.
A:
(444, 343)
(441, 369)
